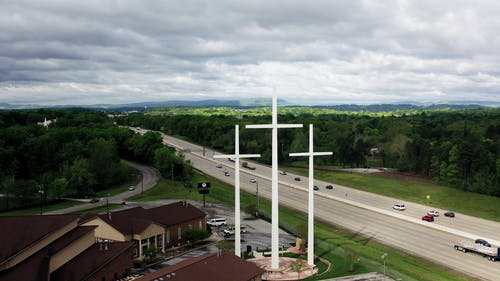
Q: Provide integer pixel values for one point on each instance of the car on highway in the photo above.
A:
(131, 188)
(433, 213)
(253, 180)
(94, 200)
(329, 186)
(399, 206)
(482, 242)
(449, 214)
(316, 187)
(226, 173)
(297, 178)
(282, 173)
(428, 218)
(219, 165)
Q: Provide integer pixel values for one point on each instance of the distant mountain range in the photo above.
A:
(246, 103)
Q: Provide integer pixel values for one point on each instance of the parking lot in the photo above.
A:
(257, 231)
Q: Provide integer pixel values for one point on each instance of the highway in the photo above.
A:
(365, 213)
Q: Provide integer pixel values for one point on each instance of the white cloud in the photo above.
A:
(327, 51)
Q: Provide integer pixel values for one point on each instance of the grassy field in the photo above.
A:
(344, 249)
(414, 190)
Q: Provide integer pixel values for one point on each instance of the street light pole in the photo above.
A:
(41, 191)
(384, 256)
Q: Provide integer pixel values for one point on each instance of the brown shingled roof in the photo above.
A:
(20, 232)
(135, 220)
(175, 213)
(208, 267)
(90, 261)
(36, 267)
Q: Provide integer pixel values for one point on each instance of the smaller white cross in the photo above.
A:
(310, 217)
(237, 216)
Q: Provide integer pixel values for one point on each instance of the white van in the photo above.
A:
(217, 222)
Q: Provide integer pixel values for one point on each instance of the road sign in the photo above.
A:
(204, 185)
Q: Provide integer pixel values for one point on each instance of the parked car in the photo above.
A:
(219, 165)
(433, 213)
(94, 200)
(253, 180)
(482, 242)
(329, 186)
(316, 187)
(282, 173)
(131, 188)
(428, 218)
(297, 178)
(449, 214)
(399, 206)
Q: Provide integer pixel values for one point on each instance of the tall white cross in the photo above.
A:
(237, 216)
(310, 216)
(274, 184)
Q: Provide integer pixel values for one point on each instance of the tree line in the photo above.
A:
(78, 154)
(459, 148)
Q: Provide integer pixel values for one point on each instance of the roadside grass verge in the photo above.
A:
(342, 248)
(414, 190)
(100, 209)
(46, 208)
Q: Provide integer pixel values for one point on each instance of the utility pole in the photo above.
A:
(172, 174)
(107, 206)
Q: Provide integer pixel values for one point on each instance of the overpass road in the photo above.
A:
(368, 214)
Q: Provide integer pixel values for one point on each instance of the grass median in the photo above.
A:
(414, 190)
(349, 253)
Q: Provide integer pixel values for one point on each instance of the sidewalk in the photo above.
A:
(372, 276)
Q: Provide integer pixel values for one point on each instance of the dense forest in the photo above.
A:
(78, 154)
(459, 148)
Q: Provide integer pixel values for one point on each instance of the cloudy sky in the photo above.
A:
(95, 51)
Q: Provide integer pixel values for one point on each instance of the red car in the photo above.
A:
(428, 218)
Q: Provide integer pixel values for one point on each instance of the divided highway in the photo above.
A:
(368, 214)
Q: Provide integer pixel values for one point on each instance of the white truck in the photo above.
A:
(491, 253)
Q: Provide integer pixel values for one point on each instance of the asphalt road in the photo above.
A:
(149, 175)
(365, 213)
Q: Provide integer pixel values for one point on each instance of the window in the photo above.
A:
(179, 234)
(159, 241)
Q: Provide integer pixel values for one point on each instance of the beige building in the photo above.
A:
(162, 226)
(58, 247)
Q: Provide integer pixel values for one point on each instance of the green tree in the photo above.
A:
(80, 177)
(58, 188)
(164, 159)
(453, 169)
(103, 162)
(151, 252)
